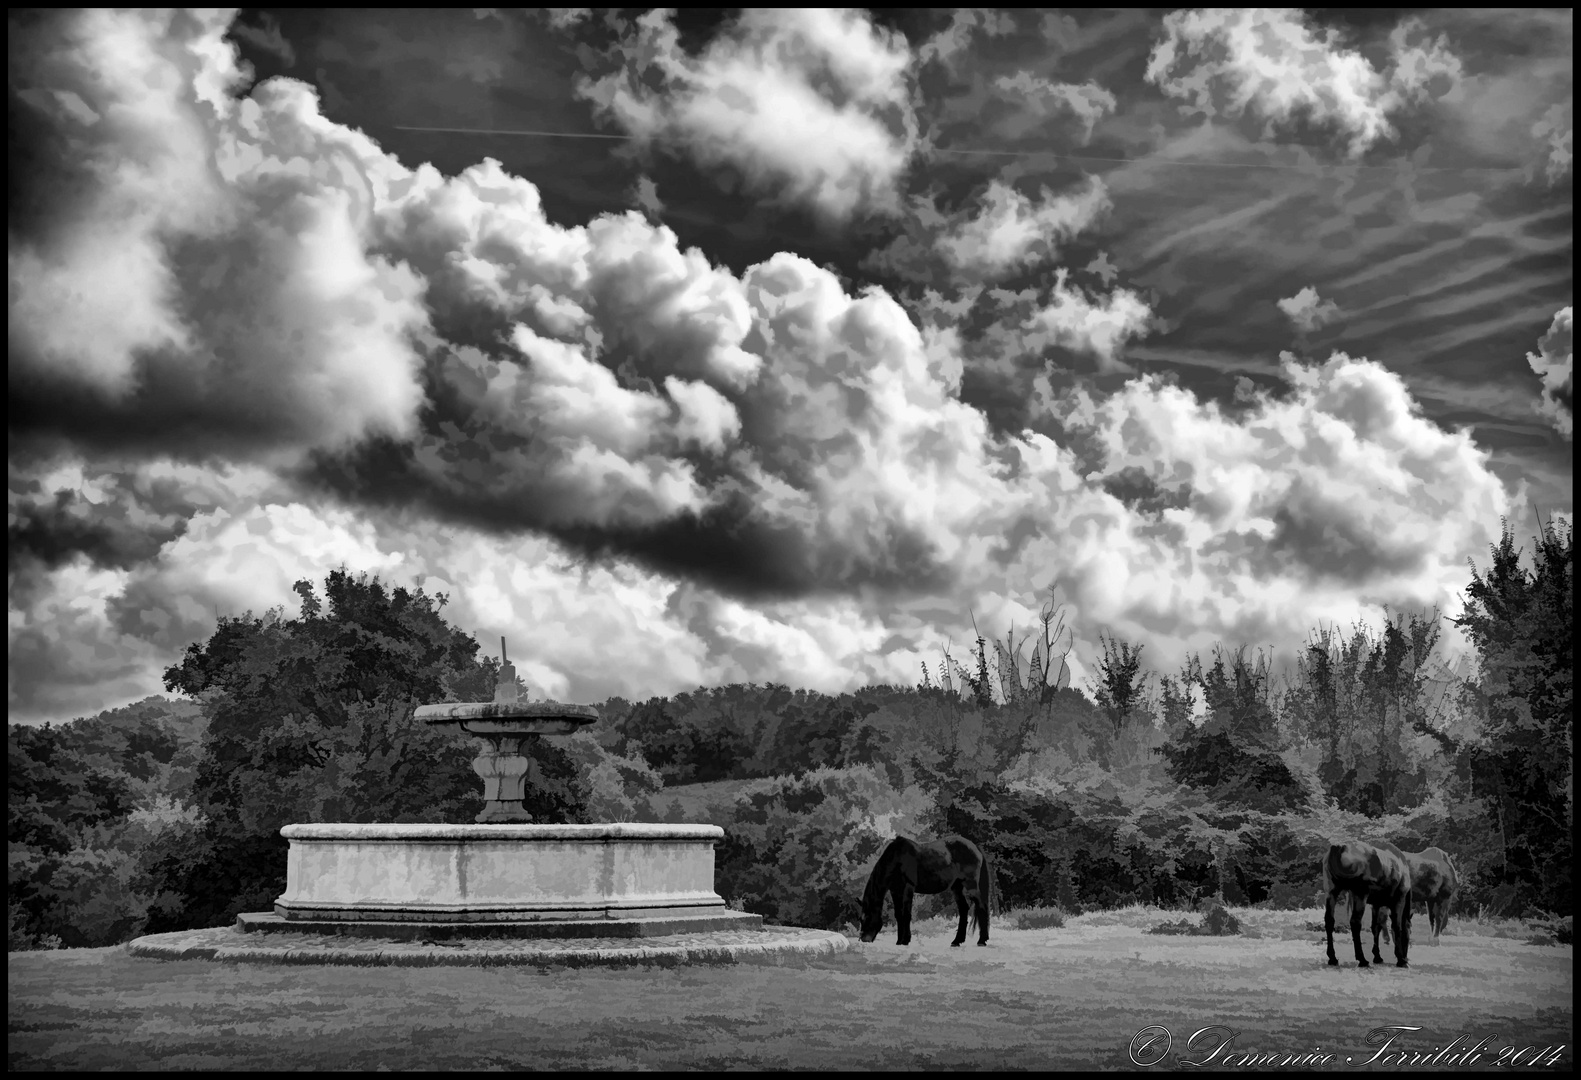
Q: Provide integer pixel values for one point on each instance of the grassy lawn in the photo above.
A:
(1069, 997)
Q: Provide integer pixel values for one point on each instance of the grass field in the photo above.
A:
(1071, 997)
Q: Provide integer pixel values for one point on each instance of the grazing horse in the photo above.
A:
(1433, 881)
(907, 867)
(1376, 874)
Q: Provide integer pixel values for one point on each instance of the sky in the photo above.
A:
(693, 348)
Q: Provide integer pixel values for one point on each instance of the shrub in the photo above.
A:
(1040, 919)
(799, 851)
(1215, 922)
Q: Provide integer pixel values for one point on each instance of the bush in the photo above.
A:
(800, 851)
(20, 937)
(1215, 922)
(1039, 919)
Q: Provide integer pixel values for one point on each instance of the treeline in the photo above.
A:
(1162, 788)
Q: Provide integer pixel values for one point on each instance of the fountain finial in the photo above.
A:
(505, 689)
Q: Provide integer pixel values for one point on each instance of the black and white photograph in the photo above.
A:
(790, 539)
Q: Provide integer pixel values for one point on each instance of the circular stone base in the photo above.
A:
(227, 943)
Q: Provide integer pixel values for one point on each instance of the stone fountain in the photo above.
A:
(503, 876)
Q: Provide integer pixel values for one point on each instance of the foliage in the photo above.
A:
(1040, 919)
(1215, 922)
(800, 852)
(166, 814)
(311, 720)
(1522, 765)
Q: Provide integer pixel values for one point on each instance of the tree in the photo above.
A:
(1119, 689)
(1521, 625)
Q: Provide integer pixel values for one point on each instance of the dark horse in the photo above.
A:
(907, 867)
(1433, 881)
(1376, 874)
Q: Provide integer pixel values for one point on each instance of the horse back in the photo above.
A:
(1432, 875)
(1390, 872)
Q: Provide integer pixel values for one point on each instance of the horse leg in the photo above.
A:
(960, 906)
(1377, 927)
(1328, 928)
(903, 896)
(1400, 917)
(1358, 904)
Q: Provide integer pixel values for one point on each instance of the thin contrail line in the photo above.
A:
(494, 131)
(1027, 153)
(1226, 164)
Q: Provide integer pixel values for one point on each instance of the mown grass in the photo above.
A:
(1071, 997)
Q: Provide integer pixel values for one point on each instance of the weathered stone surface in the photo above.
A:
(630, 923)
(498, 873)
(507, 717)
(228, 944)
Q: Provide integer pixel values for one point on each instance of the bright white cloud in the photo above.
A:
(1325, 505)
(1554, 363)
(1272, 62)
(1069, 317)
(214, 272)
(1308, 311)
(603, 380)
(1011, 231)
(811, 104)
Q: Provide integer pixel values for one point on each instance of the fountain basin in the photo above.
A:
(445, 875)
(510, 718)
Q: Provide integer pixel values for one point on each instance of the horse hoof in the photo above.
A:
(955, 944)
(980, 944)
(1333, 963)
(1402, 963)
(1362, 963)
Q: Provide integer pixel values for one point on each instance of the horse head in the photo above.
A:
(872, 917)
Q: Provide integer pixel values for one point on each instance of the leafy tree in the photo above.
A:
(1121, 686)
(1233, 753)
(1521, 624)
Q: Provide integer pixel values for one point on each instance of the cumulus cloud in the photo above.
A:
(1011, 230)
(1068, 316)
(1288, 513)
(1554, 363)
(812, 105)
(184, 261)
(1308, 311)
(1269, 61)
(651, 470)
(1554, 130)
